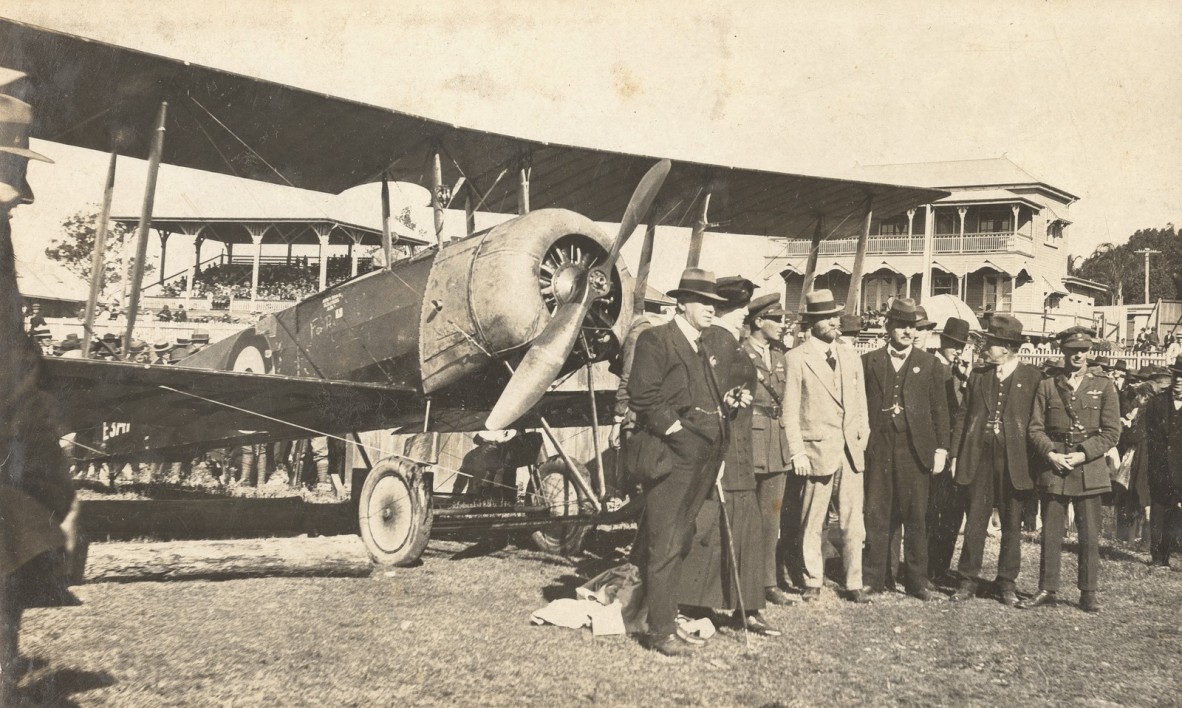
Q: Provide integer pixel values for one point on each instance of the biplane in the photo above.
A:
(466, 335)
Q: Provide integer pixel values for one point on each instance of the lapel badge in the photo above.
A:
(915, 370)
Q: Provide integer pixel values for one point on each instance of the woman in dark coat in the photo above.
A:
(707, 579)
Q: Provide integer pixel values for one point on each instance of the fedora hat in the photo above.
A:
(850, 324)
(819, 303)
(924, 322)
(1004, 328)
(696, 282)
(1176, 367)
(956, 330)
(904, 309)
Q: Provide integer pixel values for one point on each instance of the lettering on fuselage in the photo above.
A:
(114, 430)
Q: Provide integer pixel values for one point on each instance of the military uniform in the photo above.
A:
(769, 445)
(1067, 418)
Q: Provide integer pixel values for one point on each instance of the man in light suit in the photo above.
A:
(677, 448)
(826, 427)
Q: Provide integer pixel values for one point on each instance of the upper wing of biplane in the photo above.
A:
(104, 97)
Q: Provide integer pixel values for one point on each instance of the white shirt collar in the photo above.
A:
(820, 345)
(1004, 370)
(688, 330)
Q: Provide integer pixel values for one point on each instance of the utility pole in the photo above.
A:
(1148, 252)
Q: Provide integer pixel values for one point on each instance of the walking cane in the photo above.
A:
(730, 542)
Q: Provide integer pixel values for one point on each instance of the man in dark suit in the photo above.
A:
(945, 505)
(1163, 420)
(991, 460)
(677, 447)
(1074, 423)
(909, 432)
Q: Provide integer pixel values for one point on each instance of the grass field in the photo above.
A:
(455, 631)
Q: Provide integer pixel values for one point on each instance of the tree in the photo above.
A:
(1122, 269)
(75, 248)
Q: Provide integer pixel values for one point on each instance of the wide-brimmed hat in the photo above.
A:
(16, 119)
(1103, 362)
(199, 337)
(904, 309)
(819, 303)
(70, 343)
(850, 324)
(697, 282)
(735, 290)
(162, 346)
(956, 330)
(1176, 367)
(41, 333)
(764, 306)
(1004, 328)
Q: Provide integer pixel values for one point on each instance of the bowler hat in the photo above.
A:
(696, 282)
(764, 306)
(819, 303)
(70, 343)
(1004, 328)
(904, 309)
(957, 330)
(850, 324)
(1176, 367)
(736, 290)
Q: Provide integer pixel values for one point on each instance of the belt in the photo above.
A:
(1071, 437)
(768, 411)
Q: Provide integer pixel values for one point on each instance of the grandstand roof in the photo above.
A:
(299, 231)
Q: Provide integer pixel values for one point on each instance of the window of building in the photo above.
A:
(1054, 233)
(944, 284)
(893, 227)
(947, 223)
(997, 292)
(994, 221)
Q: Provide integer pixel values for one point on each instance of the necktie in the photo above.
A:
(831, 360)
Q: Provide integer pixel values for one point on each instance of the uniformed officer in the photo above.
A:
(765, 325)
(1075, 421)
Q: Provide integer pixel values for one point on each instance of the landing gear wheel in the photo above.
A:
(395, 512)
(555, 490)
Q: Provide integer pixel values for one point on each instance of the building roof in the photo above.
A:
(46, 280)
(950, 174)
(298, 230)
(989, 196)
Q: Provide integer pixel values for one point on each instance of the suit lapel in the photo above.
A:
(816, 361)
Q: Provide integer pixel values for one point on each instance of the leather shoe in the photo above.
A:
(1088, 602)
(1042, 597)
(811, 594)
(776, 596)
(1009, 597)
(921, 593)
(861, 596)
(964, 593)
(670, 645)
(756, 624)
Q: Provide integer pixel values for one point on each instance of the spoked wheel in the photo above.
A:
(395, 512)
(554, 489)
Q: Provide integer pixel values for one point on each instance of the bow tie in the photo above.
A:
(898, 354)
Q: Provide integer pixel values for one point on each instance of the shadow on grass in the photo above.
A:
(55, 689)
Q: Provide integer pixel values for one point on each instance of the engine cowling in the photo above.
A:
(493, 293)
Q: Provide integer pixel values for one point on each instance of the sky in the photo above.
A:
(1083, 95)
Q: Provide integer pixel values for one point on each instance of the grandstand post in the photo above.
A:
(387, 242)
(187, 229)
(163, 234)
(257, 231)
(322, 232)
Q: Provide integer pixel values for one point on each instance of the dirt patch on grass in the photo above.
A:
(455, 631)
